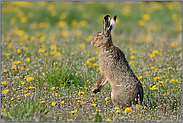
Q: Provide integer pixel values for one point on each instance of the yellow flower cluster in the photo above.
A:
(5, 91)
(29, 78)
(128, 110)
(154, 52)
(154, 88)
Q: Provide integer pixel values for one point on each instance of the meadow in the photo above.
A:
(48, 65)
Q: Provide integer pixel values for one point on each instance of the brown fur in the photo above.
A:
(126, 88)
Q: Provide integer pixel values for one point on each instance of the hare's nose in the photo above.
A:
(92, 43)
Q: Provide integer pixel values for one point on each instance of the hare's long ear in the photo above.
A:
(112, 23)
(106, 23)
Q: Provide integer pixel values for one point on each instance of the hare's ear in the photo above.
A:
(112, 23)
(106, 23)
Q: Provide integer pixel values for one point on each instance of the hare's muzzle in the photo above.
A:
(92, 42)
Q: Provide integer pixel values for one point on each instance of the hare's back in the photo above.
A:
(119, 67)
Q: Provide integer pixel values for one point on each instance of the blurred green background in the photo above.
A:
(134, 18)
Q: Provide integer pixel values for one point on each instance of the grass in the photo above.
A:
(48, 66)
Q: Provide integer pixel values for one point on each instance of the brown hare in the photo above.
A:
(126, 88)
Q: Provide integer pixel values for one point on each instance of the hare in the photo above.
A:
(126, 88)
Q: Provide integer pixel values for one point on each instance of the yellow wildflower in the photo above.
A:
(27, 59)
(94, 64)
(156, 78)
(92, 59)
(8, 54)
(23, 83)
(155, 52)
(128, 110)
(16, 77)
(24, 91)
(29, 78)
(13, 67)
(42, 102)
(57, 54)
(86, 88)
(141, 22)
(83, 23)
(27, 94)
(132, 57)
(147, 72)
(80, 93)
(106, 99)
(54, 94)
(5, 91)
(25, 48)
(30, 87)
(54, 47)
(3, 83)
(88, 63)
(16, 62)
(93, 105)
(18, 50)
(62, 102)
(4, 71)
(173, 80)
(109, 120)
(118, 111)
(46, 54)
(168, 68)
(152, 67)
(152, 55)
(76, 74)
(140, 77)
(160, 82)
(146, 17)
(41, 50)
(53, 88)
(61, 24)
(180, 55)
(72, 112)
(94, 113)
(156, 69)
(138, 106)
(53, 103)
(154, 88)
(131, 63)
(82, 46)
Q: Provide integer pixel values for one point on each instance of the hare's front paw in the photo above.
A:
(95, 90)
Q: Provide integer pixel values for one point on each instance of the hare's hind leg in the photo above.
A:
(99, 84)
